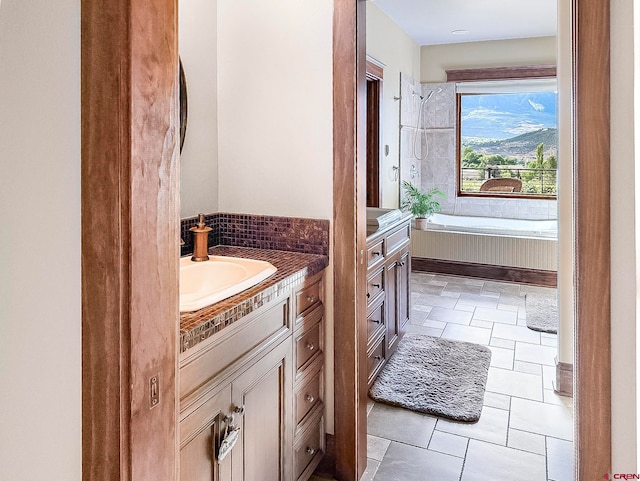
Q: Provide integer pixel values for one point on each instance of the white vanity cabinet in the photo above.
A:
(262, 374)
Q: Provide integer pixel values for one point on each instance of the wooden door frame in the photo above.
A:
(375, 77)
(130, 222)
(590, 23)
(130, 238)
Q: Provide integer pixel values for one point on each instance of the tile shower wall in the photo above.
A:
(438, 169)
(295, 234)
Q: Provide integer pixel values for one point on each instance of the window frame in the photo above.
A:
(493, 74)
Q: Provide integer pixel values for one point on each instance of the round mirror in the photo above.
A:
(183, 105)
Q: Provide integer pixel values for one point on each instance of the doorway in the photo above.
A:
(591, 202)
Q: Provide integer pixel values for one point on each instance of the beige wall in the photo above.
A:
(199, 156)
(435, 59)
(275, 117)
(275, 107)
(388, 44)
(40, 325)
(624, 237)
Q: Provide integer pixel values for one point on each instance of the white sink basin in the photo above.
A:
(205, 283)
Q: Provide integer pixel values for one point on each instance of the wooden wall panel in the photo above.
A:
(349, 237)
(129, 238)
(592, 228)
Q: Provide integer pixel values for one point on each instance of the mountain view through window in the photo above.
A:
(508, 136)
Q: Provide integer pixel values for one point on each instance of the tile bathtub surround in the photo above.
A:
(310, 236)
(293, 268)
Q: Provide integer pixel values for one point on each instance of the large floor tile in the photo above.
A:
(408, 463)
(495, 400)
(488, 462)
(492, 426)
(540, 418)
(449, 444)
(450, 315)
(496, 315)
(533, 443)
(377, 447)
(398, 424)
(515, 383)
(478, 300)
(501, 357)
(436, 301)
(560, 459)
(515, 333)
(371, 470)
(536, 353)
(429, 331)
(457, 332)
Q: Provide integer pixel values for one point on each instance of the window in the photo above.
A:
(507, 138)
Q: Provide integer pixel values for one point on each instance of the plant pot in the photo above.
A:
(421, 223)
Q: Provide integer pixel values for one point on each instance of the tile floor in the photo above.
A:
(525, 432)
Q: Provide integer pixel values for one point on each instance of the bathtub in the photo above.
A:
(528, 244)
(494, 225)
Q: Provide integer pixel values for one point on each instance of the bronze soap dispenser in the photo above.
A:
(200, 240)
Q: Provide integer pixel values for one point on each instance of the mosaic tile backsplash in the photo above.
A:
(295, 234)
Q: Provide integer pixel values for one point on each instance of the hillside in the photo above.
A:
(522, 147)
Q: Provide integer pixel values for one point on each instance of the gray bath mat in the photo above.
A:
(435, 376)
(542, 312)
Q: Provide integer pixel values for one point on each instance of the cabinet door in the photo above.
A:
(398, 270)
(201, 433)
(264, 394)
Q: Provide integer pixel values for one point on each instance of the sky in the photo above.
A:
(502, 116)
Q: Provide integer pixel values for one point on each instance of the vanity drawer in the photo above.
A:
(308, 396)
(375, 253)
(374, 286)
(375, 360)
(308, 345)
(375, 321)
(397, 238)
(308, 298)
(308, 451)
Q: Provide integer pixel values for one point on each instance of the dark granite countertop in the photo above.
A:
(293, 269)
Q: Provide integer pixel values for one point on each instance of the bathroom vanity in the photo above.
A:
(252, 376)
(388, 289)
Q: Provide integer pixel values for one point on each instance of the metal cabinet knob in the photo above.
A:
(310, 451)
(378, 358)
(310, 345)
(311, 298)
(310, 398)
(239, 410)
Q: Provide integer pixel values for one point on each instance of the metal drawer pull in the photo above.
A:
(310, 451)
(377, 286)
(400, 264)
(377, 321)
(309, 398)
(376, 253)
(311, 299)
(368, 295)
(239, 410)
(378, 358)
(311, 346)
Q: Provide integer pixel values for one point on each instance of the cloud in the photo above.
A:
(523, 128)
(536, 106)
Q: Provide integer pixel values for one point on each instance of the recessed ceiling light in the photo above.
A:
(459, 32)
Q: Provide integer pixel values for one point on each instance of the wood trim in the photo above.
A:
(501, 73)
(564, 379)
(374, 100)
(534, 277)
(591, 64)
(349, 232)
(129, 132)
(374, 71)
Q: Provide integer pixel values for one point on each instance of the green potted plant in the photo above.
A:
(420, 204)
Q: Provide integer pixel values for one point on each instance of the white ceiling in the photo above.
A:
(431, 22)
